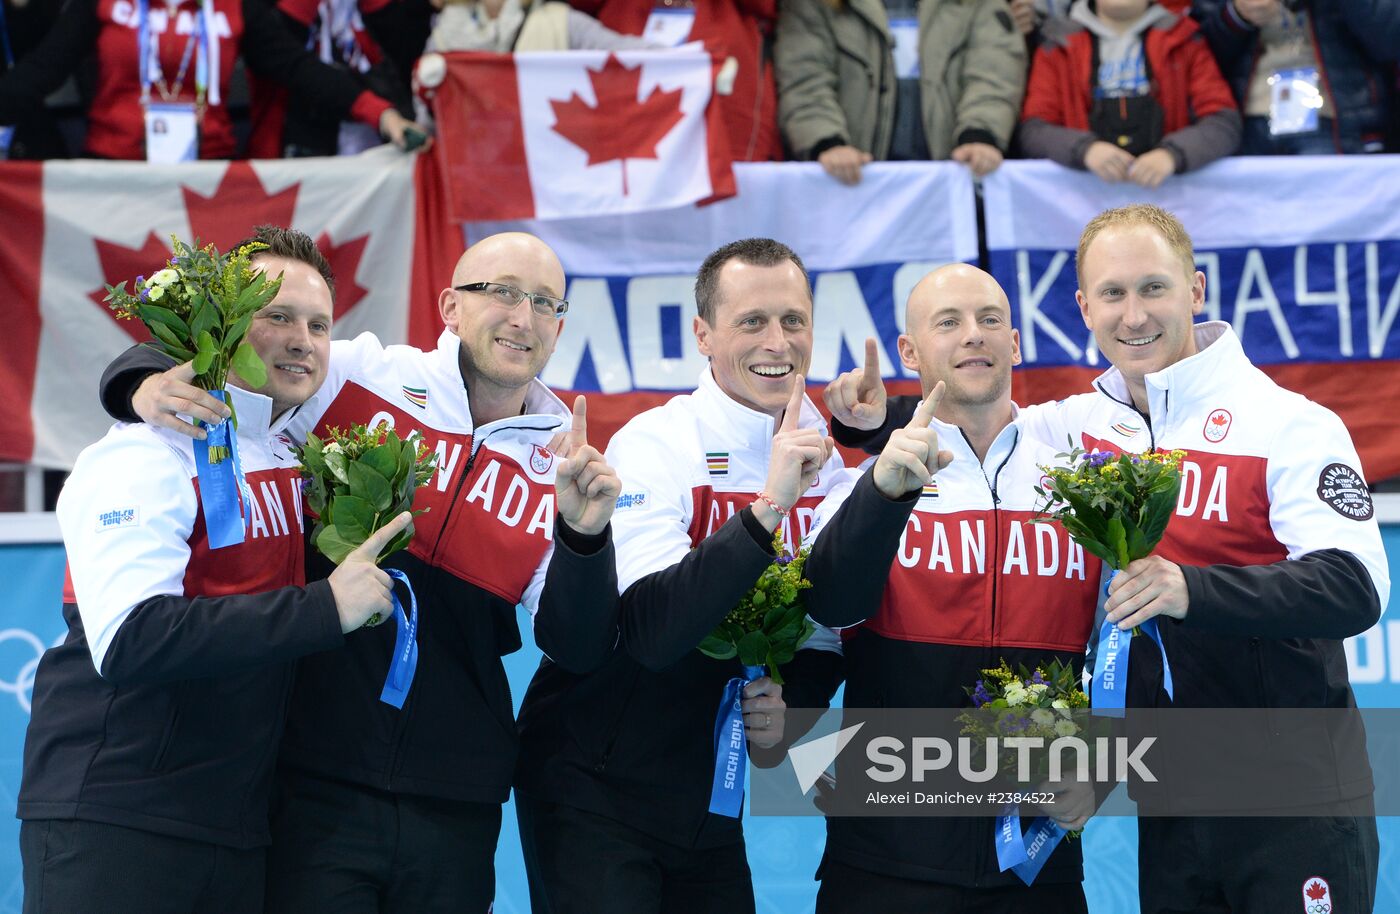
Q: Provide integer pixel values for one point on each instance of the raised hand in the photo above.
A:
(912, 456)
(586, 488)
(361, 588)
(162, 398)
(857, 398)
(797, 457)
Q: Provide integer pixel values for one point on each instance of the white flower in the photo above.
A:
(155, 292)
(1039, 688)
(332, 447)
(1059, 704)
(1016, 695)
(1066, 728)
(163, 278)
(1043, 717)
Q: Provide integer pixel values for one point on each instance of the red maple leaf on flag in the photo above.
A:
(1315, 891)
(1217, 419)
(123, 264)
(618, 127)
(241, 202)
(345, 263)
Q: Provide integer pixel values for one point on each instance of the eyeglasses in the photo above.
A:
(509, 296)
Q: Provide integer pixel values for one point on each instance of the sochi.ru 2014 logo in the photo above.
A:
(1317, 896)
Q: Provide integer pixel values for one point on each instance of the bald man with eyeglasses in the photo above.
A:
(383, 810)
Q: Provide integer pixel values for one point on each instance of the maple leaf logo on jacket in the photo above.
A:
(619, 127)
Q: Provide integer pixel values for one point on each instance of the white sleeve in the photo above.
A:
(126, 513)
(1318, 497)
(835, 497)
(531, 599)
(651, 531)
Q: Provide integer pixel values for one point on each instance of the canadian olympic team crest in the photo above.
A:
(1217, 425)
(1317, 896)
(541, 459)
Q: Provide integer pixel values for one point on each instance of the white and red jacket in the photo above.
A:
(1274, 531)
(954, 586)
(634, 741)
(488, 542)
(163, 707)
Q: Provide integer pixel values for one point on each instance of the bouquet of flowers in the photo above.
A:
(1114, 505)
(358, 480)
(198, 308)
(770, 623)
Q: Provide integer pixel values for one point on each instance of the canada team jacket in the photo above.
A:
(1275, 533)
(162, 708)
(488, 542)
(634, 741)
(941, 587)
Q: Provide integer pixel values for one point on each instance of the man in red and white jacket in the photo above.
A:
(520, 508)
(944, 577)
(615, 778)
(1272, 558)
(155, 724)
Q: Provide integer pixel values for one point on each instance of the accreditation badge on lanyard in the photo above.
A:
(1295, 94)
(6, 133)
(172, 126)
(906, 47)
(669, 26)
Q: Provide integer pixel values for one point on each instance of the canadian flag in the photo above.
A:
(72, 227)
(550, 135)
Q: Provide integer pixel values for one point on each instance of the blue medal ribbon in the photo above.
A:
(1108, 691)
(404, 663)
(6, 132)
(731, 748)
(221, 485)
(1026, 854)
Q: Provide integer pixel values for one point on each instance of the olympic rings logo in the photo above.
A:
(22, 686)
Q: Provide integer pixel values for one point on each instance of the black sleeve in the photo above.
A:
(43, 70)
(1324, 594)
(576, 622)
(669, 612)
(169, 638)
(850, 561)
(270, 51)
(401, 30)
(124, 375)
(898, 411)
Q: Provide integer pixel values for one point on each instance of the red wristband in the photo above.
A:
(777, 508)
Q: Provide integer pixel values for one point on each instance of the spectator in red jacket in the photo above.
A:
(1128, 90)
(191, 50)
(731, 29)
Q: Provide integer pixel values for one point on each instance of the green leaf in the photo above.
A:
(759, 598)
(399, 542)
(369, 485)
(773, 672)
(205, 317)
(249, 365)
(334, 545)
(155, 314)
(718, 648)
(354, 516)
(203, 360)
(1117, 542)
(383, 459)
(753, 648)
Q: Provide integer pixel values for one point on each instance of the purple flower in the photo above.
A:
(1037, 678)
(979, 694)
(785, 558)
(1098, 458)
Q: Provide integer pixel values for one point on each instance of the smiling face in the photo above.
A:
(959, 332)
(292, 334)
(761, 335)
(1138, 298)
(504, 348)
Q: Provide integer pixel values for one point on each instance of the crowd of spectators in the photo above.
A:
(1132, 90)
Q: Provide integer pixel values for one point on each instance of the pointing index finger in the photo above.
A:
(794, 404)
(923, 416)
(376, 541)
(578, 431)
(871, 375)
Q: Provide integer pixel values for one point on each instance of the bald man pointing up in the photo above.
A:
(379, 809)
(933, 571)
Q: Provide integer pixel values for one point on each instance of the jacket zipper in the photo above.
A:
(992, 483)
(1151, 432)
